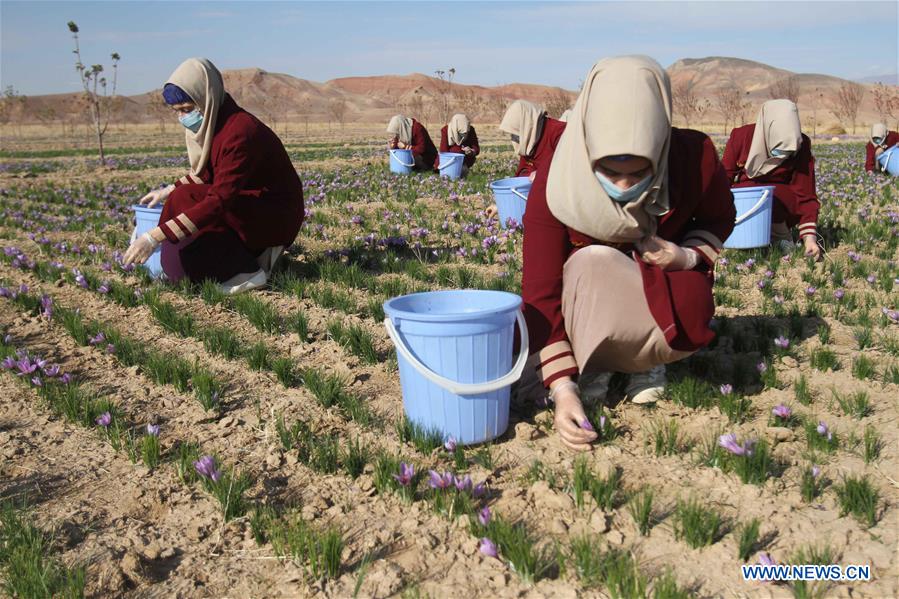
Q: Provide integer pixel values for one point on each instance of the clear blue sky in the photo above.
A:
(487, 42)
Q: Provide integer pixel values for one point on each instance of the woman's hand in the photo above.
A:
(157, 196)
(142, 247)
(401, 145)
(812, 249)
(571, 422)
(491, 211)
(664, 254)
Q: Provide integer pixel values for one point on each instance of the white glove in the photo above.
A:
(141, 249)
(666, 255)
(157, 196)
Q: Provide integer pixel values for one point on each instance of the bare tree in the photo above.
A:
(557, 102)
(11, 102)
(729, 102)
(159, 111)
(786, 88)
(849, 98)
(337, 109)
(817, 98)
(497, 106)
(445, 89)
(686, 103)
(470, 102)
(886, 101)
(96, 90)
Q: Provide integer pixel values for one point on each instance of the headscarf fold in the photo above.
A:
(564, 116)
(199, 79)
(401, 127)
(624, 108)
(879, 130)
(777, 127)
(522, 118)
(457, 129)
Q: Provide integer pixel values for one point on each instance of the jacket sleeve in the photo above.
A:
(869, 157)
(713, 219)
(803, 186)
(444, 140)
(472, 141)
(233, 167)
(525, 166)
(546, 247)
(419, 144)
(731, 155)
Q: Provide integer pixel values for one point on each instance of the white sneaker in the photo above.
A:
(269, 257)
(646, 387)
(245, 281)
(594, 386)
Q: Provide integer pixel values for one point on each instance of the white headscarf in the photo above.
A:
(200, 80)
(457, 129)
(565, 115)
(624, 108)
(879, 130)
(522, 119)
(401, 127)
(777, 126)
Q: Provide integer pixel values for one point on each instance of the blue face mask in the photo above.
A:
(877, 140)
(192, 120)
(776, 153)
(623, 195)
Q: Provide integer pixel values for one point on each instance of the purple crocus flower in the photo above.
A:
(726, 389)
(488, 548)
(781, 411)
(815, 471)
(479, 490)
(484, 516)
(782, 342)
(872, 279)
(463, 485)
(97, 339)
(52, 371)
(407, 471)
(153, 430)
(103, 288)
(838, 294)
(450, 444)
(761, 284)
(810, 290)
(729, 442)
(761, 367)
(822, 428)
(585, 424)
(9, 363)
(206, 467)
(440, 481)
(104, 419)
(47, 307)
(26, 366)
(66, 378)
(36, 381)
(602, 423)
(81, 281)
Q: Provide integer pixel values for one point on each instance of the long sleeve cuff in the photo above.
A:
(188, 179)
(808, 229)
(556, 360)
(705, 243)
(178, 228)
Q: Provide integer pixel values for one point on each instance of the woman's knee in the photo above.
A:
(598, 262)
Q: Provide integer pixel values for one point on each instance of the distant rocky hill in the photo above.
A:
(278, 97)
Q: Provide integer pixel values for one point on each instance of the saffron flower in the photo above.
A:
(52, 371)
(761, 367)
(602, 423)
(479, 490)
(781, 411)
(726, 389)
(153, 430)
(97, 339)
(206, 467)
(407, 471)
(761, 284)
(729, 442)
(484, 516)
(782, 342)
(824, 431)
(838, 294)
(104, 419)
(815, 471)
(440, 481)
(488, 548)
(450, 444)
(810, 290)
(47, 307)
(585, 424)
(36, 381)
(463, 485)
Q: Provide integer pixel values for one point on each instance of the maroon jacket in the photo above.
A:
(421, 144)
(701, 216)
(471, 140)
(248, 175)
(795, 198)
(543, 150)
(892, 140)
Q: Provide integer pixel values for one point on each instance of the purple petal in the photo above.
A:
(488, 548)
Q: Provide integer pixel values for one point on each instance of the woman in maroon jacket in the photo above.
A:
(409, 134)
(242, 202)
(881, 140)
(460, 137)
(534, 136)
(774, 151)
(621, 234)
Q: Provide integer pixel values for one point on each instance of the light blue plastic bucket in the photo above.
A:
(454, 350)
(450, 164)
(511, 198)
(889, 161)
(752, 227)
(401, 161)
(145, 220)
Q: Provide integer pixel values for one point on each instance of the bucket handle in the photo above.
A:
(516, 192)
(451, 161)
(395, 157)
(464, 388)
(752, 211)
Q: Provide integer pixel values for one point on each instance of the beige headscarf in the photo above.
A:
(203, 83)
(401, 127)
(777, 126)
(522, 119)
(879, 130)
(624, 108)
(457, 129)
(565, 115)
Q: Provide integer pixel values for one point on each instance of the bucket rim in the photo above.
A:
(139, 208)
(505, 183)
(392, 307)
(752, 189)
(450, 153)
